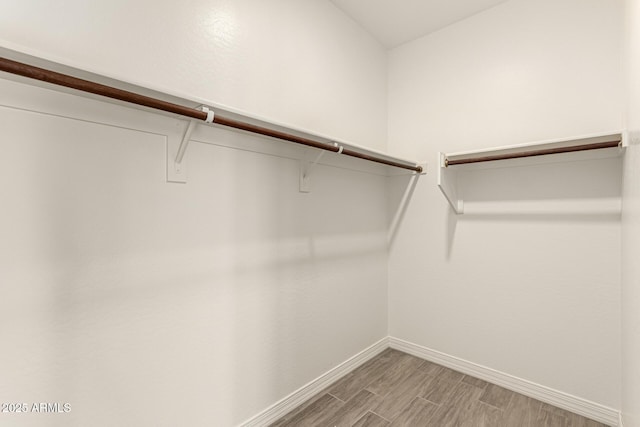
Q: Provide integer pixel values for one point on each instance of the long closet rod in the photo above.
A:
(53, 77)
(532, 153)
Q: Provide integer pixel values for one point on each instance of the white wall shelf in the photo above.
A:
(588, 147)
(38, 71)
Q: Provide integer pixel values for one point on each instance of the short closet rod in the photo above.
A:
(583, 147)
(60, 79)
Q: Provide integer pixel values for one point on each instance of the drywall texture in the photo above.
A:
(302, 63)
(145, 303)
(534, 294)
(631, 229)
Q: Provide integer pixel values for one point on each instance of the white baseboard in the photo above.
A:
(595, 411)
(307, 391)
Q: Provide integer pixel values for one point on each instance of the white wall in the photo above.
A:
(302, 63)
(146, 303)
(534, 295)
(204, 303)
(631, 229)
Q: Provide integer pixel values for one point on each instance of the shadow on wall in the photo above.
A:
(399, 204)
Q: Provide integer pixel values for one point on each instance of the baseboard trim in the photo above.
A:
(282, 407)
(557, 398)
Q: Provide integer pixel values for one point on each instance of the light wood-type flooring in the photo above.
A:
(397, 389)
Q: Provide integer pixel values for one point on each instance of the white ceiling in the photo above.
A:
(393, 22)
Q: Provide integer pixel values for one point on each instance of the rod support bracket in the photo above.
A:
(448, 184)
(210, 113)
(305, 171)
(177, 145)
(186, 137)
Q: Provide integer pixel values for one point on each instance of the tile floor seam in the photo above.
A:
(336, 397)
(378, 415)
(494, 406)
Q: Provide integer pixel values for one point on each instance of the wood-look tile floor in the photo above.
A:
(397, 389)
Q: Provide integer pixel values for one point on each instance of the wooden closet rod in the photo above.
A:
(48, 76)
(583, 147)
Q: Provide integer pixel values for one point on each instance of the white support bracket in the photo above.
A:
(448, 184)
(185, 143)
(305, 172)
(177, 148)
